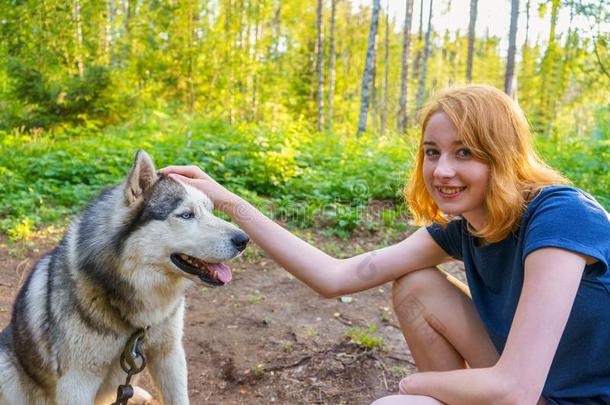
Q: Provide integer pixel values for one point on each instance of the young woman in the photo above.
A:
(534, 322)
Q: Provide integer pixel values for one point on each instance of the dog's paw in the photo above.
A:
(141, 397)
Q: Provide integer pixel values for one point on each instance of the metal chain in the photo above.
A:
(129, 363)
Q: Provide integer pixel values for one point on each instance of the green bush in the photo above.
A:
(585, 162)
(49, 175)
(299, 177)
(72, 100)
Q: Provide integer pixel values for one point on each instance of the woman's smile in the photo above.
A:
(449, 192)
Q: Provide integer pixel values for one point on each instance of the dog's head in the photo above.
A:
(172, 227)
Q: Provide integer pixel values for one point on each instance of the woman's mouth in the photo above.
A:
(449, 192)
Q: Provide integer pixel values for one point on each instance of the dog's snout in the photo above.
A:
(240, 241)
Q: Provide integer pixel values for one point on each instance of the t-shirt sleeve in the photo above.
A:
(449, 237)
(572, 220)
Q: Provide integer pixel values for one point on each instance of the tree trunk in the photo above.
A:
(367, 75)
(112, 36)
(331, 67)
(510, 78)
(276, 29)
(386, 76)
(404, 76)
(471, 35)
(191, 55)
(527, 22)
(320, 66)
(78, 34)
(125, 49)
(228, 59)
(420, 40)
(258, 34)
(103, 57)
(424, 66)
(374, 105)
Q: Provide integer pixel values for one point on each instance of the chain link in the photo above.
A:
(132, 354)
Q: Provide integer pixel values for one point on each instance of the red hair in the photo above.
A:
(495, 129)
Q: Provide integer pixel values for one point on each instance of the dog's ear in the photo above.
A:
(141, 177)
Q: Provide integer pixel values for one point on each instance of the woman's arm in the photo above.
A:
(325, 274)
(552, 277)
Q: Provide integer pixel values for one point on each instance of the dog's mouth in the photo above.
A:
(212, 273)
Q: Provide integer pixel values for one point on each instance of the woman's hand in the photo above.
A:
(223, 199)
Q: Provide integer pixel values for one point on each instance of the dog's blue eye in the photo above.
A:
(187, 215)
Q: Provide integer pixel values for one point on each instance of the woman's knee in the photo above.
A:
(415, 284)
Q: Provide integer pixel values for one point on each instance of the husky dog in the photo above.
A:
(122, 266)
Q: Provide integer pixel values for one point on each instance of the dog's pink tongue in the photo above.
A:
(222, 271)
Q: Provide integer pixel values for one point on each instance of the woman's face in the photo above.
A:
(454, 178)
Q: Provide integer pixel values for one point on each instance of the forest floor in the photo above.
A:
(265, 337)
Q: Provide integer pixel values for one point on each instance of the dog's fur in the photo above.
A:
(112, 274)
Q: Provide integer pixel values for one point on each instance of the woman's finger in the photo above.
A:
(187, 171)
(180, 178)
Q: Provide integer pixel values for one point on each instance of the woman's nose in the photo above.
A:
(444, 168)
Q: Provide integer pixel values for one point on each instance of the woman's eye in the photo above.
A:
(464, 153)
(187, 215)
(430, 152)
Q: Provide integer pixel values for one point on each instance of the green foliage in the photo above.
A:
(231, 86)
(85, 101)
(586, 163)
(251, 61)
(395, 217)
(301, 178)
(365, 338)
(297, 177)
(584, 159)
(17, 231)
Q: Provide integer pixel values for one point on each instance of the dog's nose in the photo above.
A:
(240, 241)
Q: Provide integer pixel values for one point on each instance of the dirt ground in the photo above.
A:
(265, 337)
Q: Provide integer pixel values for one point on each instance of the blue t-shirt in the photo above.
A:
(563, 217)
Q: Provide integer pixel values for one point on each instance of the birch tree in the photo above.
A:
(369, 66)
(331, 66)
(420, 41)
(320, 65)
(386, 76)
(471, 35)
(424, 64)
(78, 34)
(404, 76)
(510, 78)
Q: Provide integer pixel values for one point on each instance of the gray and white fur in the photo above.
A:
(111, 275)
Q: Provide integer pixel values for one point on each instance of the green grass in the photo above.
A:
(326, 180)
